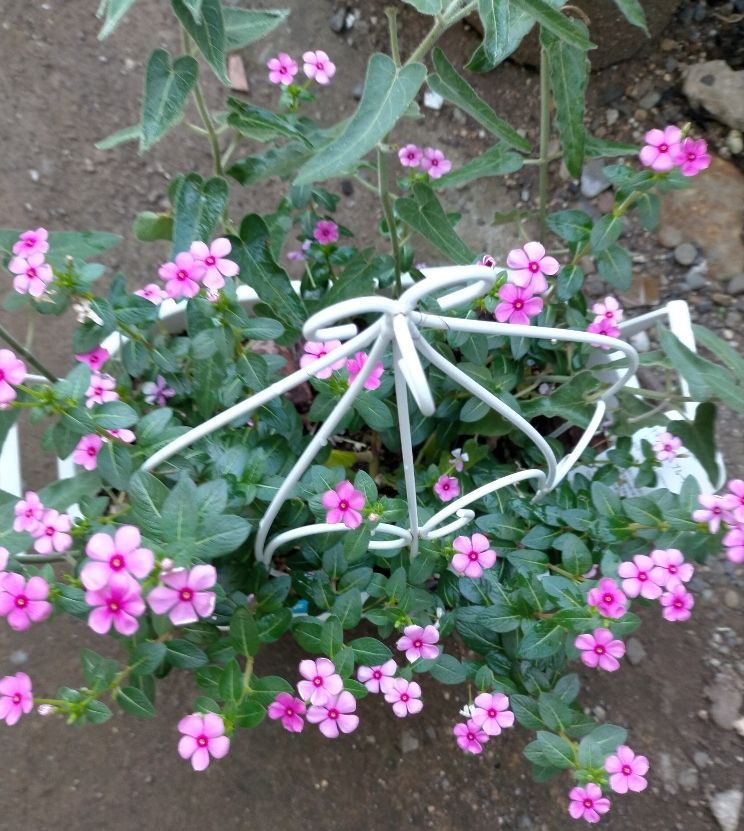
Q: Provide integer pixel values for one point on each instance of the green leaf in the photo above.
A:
(452, 86)
(245, 26)
(307, 634)
(504, 26)
(387, 93)
(96, 712)
(184, 654)
(575, 555)
(599, 744)
(244, 633)
(331, 636)
(370, 651)
(149, 226)
(113, 415)
(167, 86)
(98, 671)
(133, 133)
(448, 670)
(605, 232)
(558, 751)
(597, 148)
(263, 328)
(699, 437)
(250, 713)
(648, 207)
(112, 11)
(526, 711)
(194, 7)
(606, 502)
(147, 657)
(556, 23)
(542, 641)
(231, 682)
(147, 495)
(720, 348)
(348, 608)
(427, 217)
(569, 282)
(132, 700)
(261, 124)
(375, 413)
(280, 161)
(208, 34)
(197, 208)
(427, 6)
(219, 534)
(615, 266)
(633, 13)
(180, 512)
(115, 464)
(495, 161)
(572, 226)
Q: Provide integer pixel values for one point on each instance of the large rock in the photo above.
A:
(726, 808)
(715, 87)
(710, 214)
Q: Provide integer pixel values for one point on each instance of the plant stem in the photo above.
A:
(26, 355)
(544, 160)
(431, 37)
(383, 174)
(206, 118)
(392, 16)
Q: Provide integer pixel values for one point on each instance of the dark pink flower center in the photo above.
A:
(16, 699)
(97, 390)
(434, 162)
(446, 486)
(663, 148)
(30, 243)
(642, 576)
(473, 555)
(49, 530)
(672, 569)
(667, 447)
(627, 770)
(609, 315)
(202, 741)
(181, 274)
(29, 511)
(92, 451)
(471, 737)
(533, 266)
(518, 304)
(691, 157)
(31, 272)
(186, 594)
(21, 601)
(411, 155)
(116, 562)
(404, 697)
(113, 606)
(608, 598)
(377, 675)
(677, 604)
(588, 803)
(319, 65)
(289, 711)
(717, 510)
(333, 713)
(418, 644)
(492, 713)
(210, 260)
(318, 681)
(599, 649)
(343, 505)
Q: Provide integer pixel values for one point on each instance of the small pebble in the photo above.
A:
(685, 253)
(731, 599)
(669, 236)
(433, 100)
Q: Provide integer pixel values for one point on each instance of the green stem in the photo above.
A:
(544, 160)
(383, 174)
(392, 16)
(206, 118)
(22, 352)
(431, 37)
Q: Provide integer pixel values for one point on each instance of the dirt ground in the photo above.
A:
(61, 90)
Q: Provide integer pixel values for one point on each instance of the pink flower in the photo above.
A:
(599, 648)
(378, 678)
(183, 594)
(326, 231)
(101, 390)
(670, 567)
(290, 710)
(182, 276)
(12, 373)
(28, 513)
(4, 557)
(343, 505)
(660, 145)
(118, 603)
(487, 260)
(626, 770)
(405, 696)
(32, 242)
(733, 501)
(459, 459)
(712, 511)
(86, 451)
(588, 803)
(603, 326)
(418, 642)
(470, 736)
(212, 257)
(529, 265)
(491, 713)
(334, 715)
(434, 163)
(318, 66)
(203, 736)
(354, 366)
(123, 434)
(474, 554)
(691, 156)
(666, 446)
(677, 603)
(95, 359)
(734, 543)
(609, 309)
(315, 350)
(321, 681)
(447, 487)
(608, 598)
(282, 69)
(16, 697)
(119, 554)
(157, 391)
(32, 274)
(152, 292)
(410, 155)
(52, 533)
(23, 603)
(517, 305)
(638, 577)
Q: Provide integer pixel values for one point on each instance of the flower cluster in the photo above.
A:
(487, 717)
(607, 314)
(314, 350)
(727, 508)
(430, 160)
(668, 148)
(527, 268)
(317, 66)
(49, 528)
(202, 264)
(626, 773)
(32, 273)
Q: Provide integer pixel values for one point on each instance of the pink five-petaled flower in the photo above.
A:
(16, 697)
(320, 681)
(102, 389)
(290, 710)
(32, 242)
(95, 359)
(318, 66)
(626, 770)
(203, 736)
(52, 533)
(666, 446)
(733, 500)
(638, 577)
(470, 736)
(588, 803)
(473, 555)
(670, 567)
(123, 434)
(517, 305)
(118, 603)
(492, 713)
(405, 696)
(326, 231)
(677, 603)
(354, 367)
(334, 715)
(12, 372)
(32, 274)
(378, 678)
(157, 391)
(458, 460)
(152, 292)
(607, 597)
(529, 265)
(447, 487)
(599, 648)
(609, 309)
(691, 156)
(734, 543)
(410, 155)
(419, 642)
(86, 451)
(282, 69)
(317, 349)
(115, 555)
(182, 276)
(343, 505)
(183, 594)
(212, 257)
(603, 326)
(434, 163)
(657, 153)
(28, 513)
(24, 603)
(712, 511)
